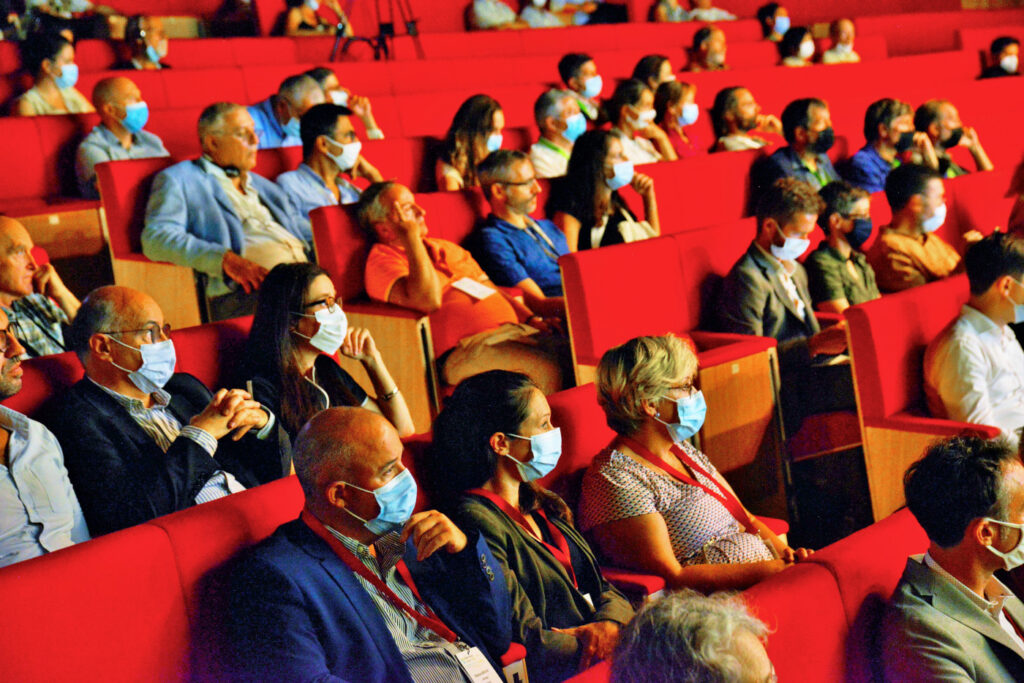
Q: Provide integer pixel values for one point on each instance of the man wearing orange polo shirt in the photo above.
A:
(475, 327)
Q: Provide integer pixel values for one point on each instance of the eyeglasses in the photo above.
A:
(153, 331)
(328, 302)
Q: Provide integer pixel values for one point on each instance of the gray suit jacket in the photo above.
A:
(933, 632)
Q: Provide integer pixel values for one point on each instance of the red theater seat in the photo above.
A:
(177, 129)
(212, 351)
(124, 187)
(44, 378)
(96, 55)
(253, 51)
(201, 87)
(200, 53)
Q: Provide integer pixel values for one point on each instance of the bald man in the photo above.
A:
(142, 441)
(34, 297)
(359, 588)
(277, 117)
(119, 134)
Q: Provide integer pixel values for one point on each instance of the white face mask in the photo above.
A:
(806, 49)
(1015, 557)
(1009, 64)
(644, 119)
(339, 97)
(332, 330)
(937, 219)
(349, 154)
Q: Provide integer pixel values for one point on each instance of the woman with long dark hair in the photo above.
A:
(631, 111)
(585, 203)
(298, 327)
(475, 132)
(50, 58)
(492, 442)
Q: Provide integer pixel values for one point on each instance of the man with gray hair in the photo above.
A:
(361, 588)
(686, 637)
(277, 117)
(558, 116)
(215, 216)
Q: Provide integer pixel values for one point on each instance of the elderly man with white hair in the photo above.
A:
(277, 117)
(560, 121)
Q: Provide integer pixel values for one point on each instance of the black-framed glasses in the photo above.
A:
(154, 331)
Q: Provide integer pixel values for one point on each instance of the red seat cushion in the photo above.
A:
(212, 351)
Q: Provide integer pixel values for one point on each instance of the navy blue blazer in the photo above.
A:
(298, 613)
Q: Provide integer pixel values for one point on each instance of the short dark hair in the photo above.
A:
(368, 207)
(648, 67)
(785, 198)
(882, 113)
(569, 66)
(98, 313)
(626, 93)
(133, 32)
(766, 15)
(957, 481)
(494, 167)
(839, 197)
(39, 47)
(797, 114)
(320, 74)
(667, 94)
(1001, 43)
(320, 119)
(991, 258)
(928, 113)
(906, 181)
(789, 46)
(725, 102)
(701, 36)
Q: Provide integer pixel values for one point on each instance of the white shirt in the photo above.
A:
(638, 150)
(540, 18)
(492, 13)
(834, 56)
(548, 159)
(785, 270)
(974, 372)
(710, 14)
(740, 141)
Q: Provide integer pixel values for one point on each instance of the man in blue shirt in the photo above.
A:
(807, 127)
(277, 117)
(889, 132)
(515, 249)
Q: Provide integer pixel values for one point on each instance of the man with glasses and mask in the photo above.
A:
(940, 121)
(140, 440)
(890, 140)
(277, 117)
(360, 588)
(950, 618)
(330, 151)
(216, 216)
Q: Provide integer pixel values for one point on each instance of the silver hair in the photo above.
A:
(212, 117)
(549, 104)
(371, 210)
(684, 637)
(295, 88)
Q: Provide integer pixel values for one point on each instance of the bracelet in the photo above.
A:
(390, 395)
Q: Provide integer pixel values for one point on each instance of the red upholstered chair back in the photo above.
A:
(584, 434)
(76, 596)
(616, 293)
(981, 201)
(176, 128)
(271, 163)
(453, 215)
(414, 458)
(212, 351)
(199, 53)
(888, 337)
(200, 87)
(124, 188)
(59, 137)
(254, 51)
(706, 257)
(341, 248)
(43, 378)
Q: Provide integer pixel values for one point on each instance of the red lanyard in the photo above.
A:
(724, 496)
(560, 550)
(429, 620)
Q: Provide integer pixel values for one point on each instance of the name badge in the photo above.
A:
(475, 289)
(475, 665)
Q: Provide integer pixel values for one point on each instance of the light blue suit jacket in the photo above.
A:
(191, 222)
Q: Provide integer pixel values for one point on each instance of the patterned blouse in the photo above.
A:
(701, 529)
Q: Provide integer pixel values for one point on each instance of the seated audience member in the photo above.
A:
(774, 20)
(586, 205)
(703, 11)
(766, 294)
(838, 272)
(540, 14)
(297, 331)
(670, 11)
(360, 588)
(739, 123)
(974, 370)
(474, 327)
(301, 19)
(950, 618)
(842, 32)
(359, 104)
(653, 70)
(1005, 54)
(579, 74)
(494, 14)
(214, 215)
(796, 47)
(907, 253)
(41, 511)
(807, 127)
(492, 442)
(631, 111)
(890, 139)
(654, 503)
(330, 150)
(708, 50)
(676, 111)
(561, 122)
(37, 305)
(277, 117)
(514, 248)
(146, 441)
(475, 132)
(119, 134)
(50, 58)
(686, 636)
(940, 120)
(147, 43)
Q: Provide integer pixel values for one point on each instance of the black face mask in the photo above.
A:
(905, 142)
(826, 139)
(860, 233)
(954, 138)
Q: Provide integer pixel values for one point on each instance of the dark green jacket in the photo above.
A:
(543, 595)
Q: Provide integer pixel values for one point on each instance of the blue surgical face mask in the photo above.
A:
(623, 175)
(691, 112)
(68, 76)
(158, 361)
(494, 142)
(292, 129)
(781, 25)
(690, 411)
(860, 233)
(575, 126)
(152, 54)
(396, 500)
(592, 86)
(135, 117)
(937, 219)
(349, 154)
(1018, 309)
(546, 449)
